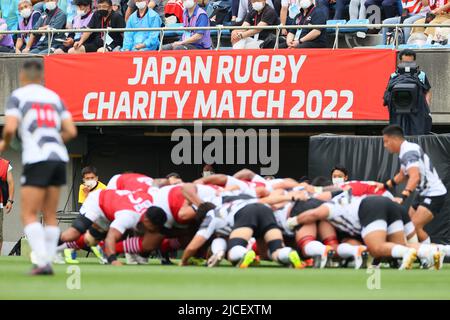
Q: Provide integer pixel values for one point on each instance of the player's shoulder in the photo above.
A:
(35, 90)
(409, 147)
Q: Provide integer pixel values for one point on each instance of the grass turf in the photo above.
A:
(268, 281)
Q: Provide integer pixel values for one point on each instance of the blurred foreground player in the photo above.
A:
(44, 125)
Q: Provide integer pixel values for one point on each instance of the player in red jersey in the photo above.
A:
(135, 182)
(115, 211)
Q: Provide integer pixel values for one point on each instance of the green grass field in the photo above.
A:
(267, 281)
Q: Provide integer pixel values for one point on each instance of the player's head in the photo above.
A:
(393, 138)
(339, 174)
(321, 181)
(174, 178)
(32, 71)
(154, 219)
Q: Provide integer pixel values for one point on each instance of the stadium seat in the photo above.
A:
(174, 33)
(408, 46)
(355, 21)
(334, 22)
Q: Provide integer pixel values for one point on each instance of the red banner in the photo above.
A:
(240, 84)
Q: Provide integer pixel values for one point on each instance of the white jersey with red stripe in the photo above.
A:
(247, 187)
(365, 188)
(131, 182)
(121, 208)
(414, 6)
(269, 184)
(439, 4)
(170, 199)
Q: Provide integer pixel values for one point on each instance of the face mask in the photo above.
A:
(141, 5)
(81, 12)
(294, 10)
(258, 6)
(305, 4)
(337, 181)
(207, 173)
(103, 13)
(25, 13)
(90, 183)
(50, 5)
(188, 4)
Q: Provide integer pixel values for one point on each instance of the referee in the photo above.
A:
(44, 125)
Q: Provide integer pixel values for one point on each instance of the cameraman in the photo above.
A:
(419, 120)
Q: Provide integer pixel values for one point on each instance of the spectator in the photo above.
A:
(90, 183)
(193, 16)
(6, 193)
(340, 9)
(304, 38)
(104, 17)
(6, 40)
(117, 6)
(81, 21)
(144, 17)
(339, 174)
(441, 13)
(66, 6)
(52, 18)
(358, 9)
(28, 21)
(415, 10)
(207, 170)
(261, 15)
(173, 12)
(245, 7)
(389, 7)
(157, 5)
(218, 11)
(288, 8)
(10, 13)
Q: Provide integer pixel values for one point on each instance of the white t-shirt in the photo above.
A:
(412, 155)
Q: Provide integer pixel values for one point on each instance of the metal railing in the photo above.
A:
(220, 28)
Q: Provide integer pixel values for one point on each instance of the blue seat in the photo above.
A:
(174, 33)
(432, 46)
(357, 29)
(334, 22)
(408, 46)
(383, 46)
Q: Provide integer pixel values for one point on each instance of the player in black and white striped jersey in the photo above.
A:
(381, 224)
(417, 168)
(44, 125)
